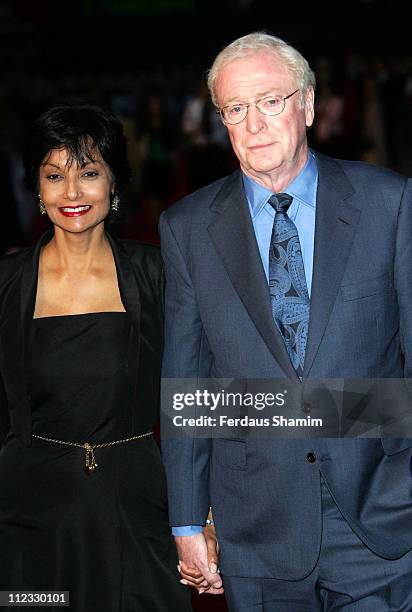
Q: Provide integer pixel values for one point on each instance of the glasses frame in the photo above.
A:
(255, 103)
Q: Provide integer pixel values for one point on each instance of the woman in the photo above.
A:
(82, 494)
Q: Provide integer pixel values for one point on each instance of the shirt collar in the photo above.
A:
(303, 187)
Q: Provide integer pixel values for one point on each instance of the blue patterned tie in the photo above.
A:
(287, 282)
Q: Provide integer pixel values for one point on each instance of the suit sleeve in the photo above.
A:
(403, 285)
(186, 355)
(403, 275)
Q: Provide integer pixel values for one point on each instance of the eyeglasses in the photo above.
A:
(268, 105)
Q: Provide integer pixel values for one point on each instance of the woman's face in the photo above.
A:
(77, 198)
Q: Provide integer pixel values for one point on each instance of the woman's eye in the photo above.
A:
(53, 177)
(91, 174)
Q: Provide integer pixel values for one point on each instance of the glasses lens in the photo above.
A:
(271, 105)
(234, 114)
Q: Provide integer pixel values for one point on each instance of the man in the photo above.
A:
(296, 266)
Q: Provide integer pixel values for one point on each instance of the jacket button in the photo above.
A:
(311, 457)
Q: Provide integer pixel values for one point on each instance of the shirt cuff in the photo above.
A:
(187, 530)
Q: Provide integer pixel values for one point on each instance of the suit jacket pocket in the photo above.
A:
(366, 288)
(391, 446)
(230, 453)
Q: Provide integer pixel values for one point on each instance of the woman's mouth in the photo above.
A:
(74, 211)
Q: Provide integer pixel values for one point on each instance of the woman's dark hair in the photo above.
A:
(81, 130)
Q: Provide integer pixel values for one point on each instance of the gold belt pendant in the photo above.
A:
(91, 464)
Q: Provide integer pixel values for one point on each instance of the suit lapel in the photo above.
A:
(128, 287)
(234, 239)
(28, 288)
(131, 298)
(19, 308)
(336, 224)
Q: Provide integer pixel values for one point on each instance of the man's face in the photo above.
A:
(271, 149)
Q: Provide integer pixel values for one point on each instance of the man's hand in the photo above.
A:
(198, 561)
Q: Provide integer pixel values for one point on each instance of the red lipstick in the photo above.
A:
(74, 211)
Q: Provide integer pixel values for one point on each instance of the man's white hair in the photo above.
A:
(260, 41)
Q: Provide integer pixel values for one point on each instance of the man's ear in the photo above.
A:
(310, 106)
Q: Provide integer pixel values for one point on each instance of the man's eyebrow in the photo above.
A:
(259, 95)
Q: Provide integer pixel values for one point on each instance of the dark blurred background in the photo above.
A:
(146, 59)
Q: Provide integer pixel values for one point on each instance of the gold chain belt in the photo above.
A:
(90, 459)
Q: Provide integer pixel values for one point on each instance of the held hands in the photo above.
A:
(198, 561)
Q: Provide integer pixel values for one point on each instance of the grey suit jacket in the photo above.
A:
(266, 494)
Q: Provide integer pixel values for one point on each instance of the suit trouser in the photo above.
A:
(348, 577)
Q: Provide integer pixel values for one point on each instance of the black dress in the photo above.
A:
(103, 536)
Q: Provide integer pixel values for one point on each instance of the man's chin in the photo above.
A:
(263, 167)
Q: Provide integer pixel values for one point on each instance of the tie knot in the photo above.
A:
(280, 202)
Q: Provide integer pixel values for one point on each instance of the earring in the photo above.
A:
(114, 207)
(41, 206)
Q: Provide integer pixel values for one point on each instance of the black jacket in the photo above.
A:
(140, 277)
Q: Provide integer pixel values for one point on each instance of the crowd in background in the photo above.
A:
(177, 142)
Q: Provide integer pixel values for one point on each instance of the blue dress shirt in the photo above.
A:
(302, 212)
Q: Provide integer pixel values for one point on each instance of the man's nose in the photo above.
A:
(255, 120)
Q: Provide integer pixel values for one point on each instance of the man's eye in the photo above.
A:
(236, 110)
(272, 102)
